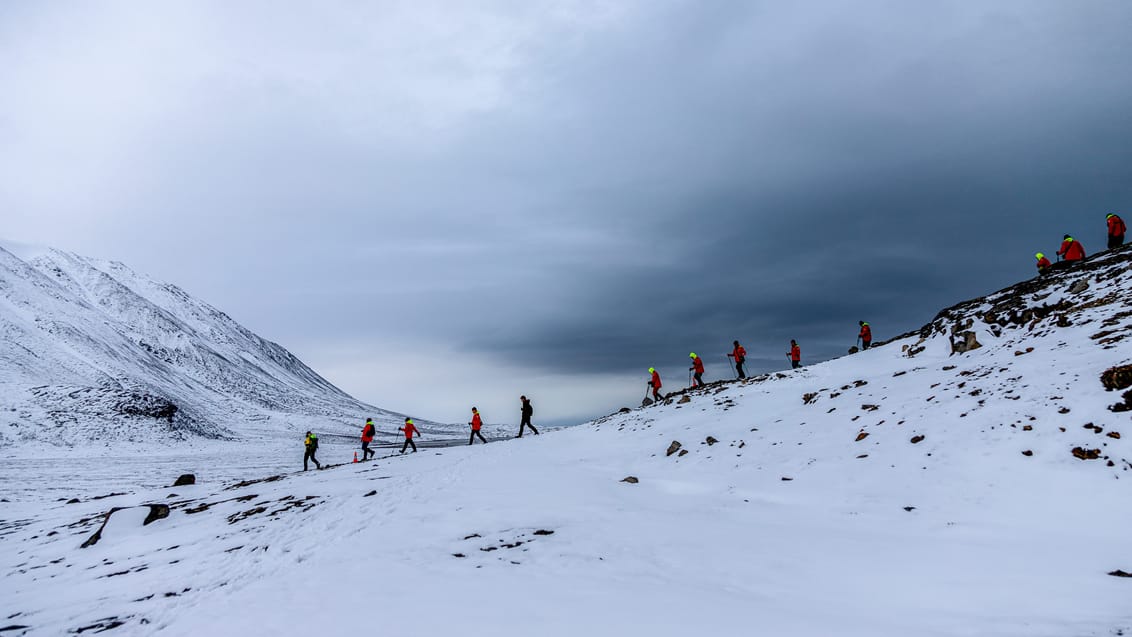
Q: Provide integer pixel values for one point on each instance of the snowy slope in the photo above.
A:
(94, 353)
(877, 494)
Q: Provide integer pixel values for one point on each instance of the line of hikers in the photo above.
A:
(1072, 251)
(738, 357)
(369, 431)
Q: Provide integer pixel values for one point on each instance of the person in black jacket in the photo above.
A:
(528, 411)
(311, 443)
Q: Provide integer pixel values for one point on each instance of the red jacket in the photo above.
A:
(409, 430)
(1043, 263)
(367, 433)
(739, 353)
(795, 353)
(656, 380)
(698, 364)
(1072, 250)
(476, 422)
(866, 333)
(1116, 227)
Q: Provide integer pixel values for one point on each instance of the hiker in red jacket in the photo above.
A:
(1116, 230)
(740, 356)
(654, 382)
(367, 437)
(698, 366)
(1071, 249)
(410, 429)
(476, 424)
(1043, 263)
(866, 335)
(795, 355)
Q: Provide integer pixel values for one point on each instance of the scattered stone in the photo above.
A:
(1120, 573)
(909, 509)
(1063, 410)
(631, 479)
(1086, 454)
(809, 398)
(684, 399)
(863, 455)
(965, 342)
(374, 492)
(785, 479)
(1027, 427)
(870, 407)
(625, 410)
(853, 350)
(458, 555)
(73, 501)
(916, 440)
(156, 512)
(1079, 286)
(673, 448)
(543, 532)
(682, 453)
(1027, 453)
(1114, 434)
(473, 535)
(1117, 378)
(861, 436)
(710, 441)
(185, 480)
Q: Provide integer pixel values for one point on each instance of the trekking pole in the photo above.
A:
(689, 378)
(732, 363)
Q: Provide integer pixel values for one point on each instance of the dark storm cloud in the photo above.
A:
(578, 189)
(878, 174)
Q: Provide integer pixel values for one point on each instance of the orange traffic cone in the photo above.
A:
(355, 456)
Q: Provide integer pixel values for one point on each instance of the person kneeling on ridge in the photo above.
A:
(1043, 263)
(1071, 249)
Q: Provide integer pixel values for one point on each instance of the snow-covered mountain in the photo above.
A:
(971, 478)
(92, 352)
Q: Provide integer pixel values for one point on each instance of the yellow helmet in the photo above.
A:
(1039, 256)
(651, 370)
(692, 355)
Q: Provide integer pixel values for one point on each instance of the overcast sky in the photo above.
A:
(439, 204)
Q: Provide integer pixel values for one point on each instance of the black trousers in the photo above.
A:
(656, 393)
(865, 344)
(739, 368)
(310, 456)
(699, 377)
(1115, 241)
(366, 451)
(409, 442)
(476, 434)
(526, 423)
(795, 364)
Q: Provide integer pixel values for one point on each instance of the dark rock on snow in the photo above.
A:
(185, 480)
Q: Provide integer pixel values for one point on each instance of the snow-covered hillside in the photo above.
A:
(92, 353)
(925, 487)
